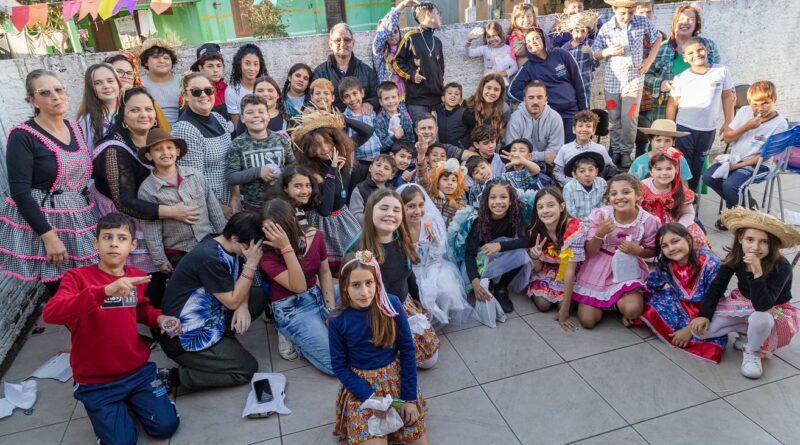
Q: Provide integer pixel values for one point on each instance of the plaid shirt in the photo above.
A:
(522, 180)
(193, 190)
(448, 211)
(622, 72)
(387, 137)
(661, 70)
(581, 202)
(586, 64)
(372, 148)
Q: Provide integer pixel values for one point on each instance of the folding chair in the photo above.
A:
(776, 146)
(793, 141)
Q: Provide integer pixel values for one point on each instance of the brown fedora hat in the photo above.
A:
(157, 135)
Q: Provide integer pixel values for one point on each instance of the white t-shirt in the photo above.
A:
(749, 144)
(233, 98)
(701, 97)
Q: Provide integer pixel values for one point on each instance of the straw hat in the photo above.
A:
(153, 41)
(566, 22)
(663, 127)
(622, 3)
(157, 135)
(314, 120)
(740, 217)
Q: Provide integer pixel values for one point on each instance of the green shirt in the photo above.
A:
(245, 159)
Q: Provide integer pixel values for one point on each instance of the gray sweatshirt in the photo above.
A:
(545, 133)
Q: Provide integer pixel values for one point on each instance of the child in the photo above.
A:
(585, 191)
(352, 94)
(571, 9)
(584, 125)
(483, 142)
(257, 156)
(293, 260)
(386, 234)
(667, 198)
(496, 53)
(372, 353)
(579, 26)
(453, 121)
(662, 133)
(748, 132)
(436, 153)
(168, 240)
(557, 251)
(677, 288)
(620, 236)
(325, 149)
(695, 101)
(295, 89)
(212, 65)
(498, 231)
(297, 186)
(381, 171)
(621, 41)
(403, 154)
(448, 185)
(439, 280)
(320, 96)
(523, 19)
(392, 124)
(479, 172)
(487, 106)
(521, 170)
(101, 306)
(267, 88)
(759, 308)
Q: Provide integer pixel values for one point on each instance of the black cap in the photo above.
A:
(205, 52)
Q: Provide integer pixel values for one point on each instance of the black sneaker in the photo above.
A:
(504, 300)
(719, 226)
(165, 375)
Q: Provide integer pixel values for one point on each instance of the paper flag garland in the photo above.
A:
(70, 9)
(19, 17)
(130, 5)
(37, 13)
(106, 8)
(89, 7)
(160, 6)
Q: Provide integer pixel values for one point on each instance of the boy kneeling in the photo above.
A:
(106, 301)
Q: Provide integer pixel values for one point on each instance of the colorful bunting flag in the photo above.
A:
(106, 8)
(160, 6)
(37, 13)
(70, 9)
(130, 5)
(88, 7)
(19, 17)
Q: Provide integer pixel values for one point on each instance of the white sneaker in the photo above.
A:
(286, 348)
(751, 366)
(740, 342)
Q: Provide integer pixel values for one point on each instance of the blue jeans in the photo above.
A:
(695, 148)
(301, 318)
(730, 189)
(107, 405)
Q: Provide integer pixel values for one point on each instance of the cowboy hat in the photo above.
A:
(622, 3)
(663, 127)
(205, 52)
(569, 167)
(743, 218)
(157, 135)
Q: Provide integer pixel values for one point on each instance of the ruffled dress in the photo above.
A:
(549, 282)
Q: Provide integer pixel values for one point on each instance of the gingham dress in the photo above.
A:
(206, 154)
(65, 206)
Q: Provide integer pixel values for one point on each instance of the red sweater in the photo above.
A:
(106, 345)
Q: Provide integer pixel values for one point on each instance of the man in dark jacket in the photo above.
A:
(342, 63)
(420, 61)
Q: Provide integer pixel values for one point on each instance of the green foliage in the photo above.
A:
(265, 19)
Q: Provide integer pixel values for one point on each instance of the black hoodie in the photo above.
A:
(421, 52)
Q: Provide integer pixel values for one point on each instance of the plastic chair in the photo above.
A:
(783, 167)
(777, 146)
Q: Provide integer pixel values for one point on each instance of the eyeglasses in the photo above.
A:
(197, 92)
(45, 92)
(342, 39)
(124, 74)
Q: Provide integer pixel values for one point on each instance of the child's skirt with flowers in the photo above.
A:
(786, 316)
(351, 421)
(544, 284)
(426, 344)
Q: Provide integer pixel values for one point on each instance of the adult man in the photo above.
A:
(342, 63)
(538, 123)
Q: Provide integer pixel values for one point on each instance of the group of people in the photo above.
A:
(361, 207)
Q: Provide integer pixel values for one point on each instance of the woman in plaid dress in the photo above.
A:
(47, 223)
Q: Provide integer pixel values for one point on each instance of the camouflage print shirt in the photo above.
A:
(245, 159)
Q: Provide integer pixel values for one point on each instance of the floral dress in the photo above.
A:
(549, 282)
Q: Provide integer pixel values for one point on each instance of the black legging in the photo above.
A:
(504, 280)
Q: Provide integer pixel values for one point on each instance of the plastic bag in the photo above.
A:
(625, 267)
(22, 395)
(489, 311)
(418, 323)
(253, 409)
(394, 122)
(389, 424)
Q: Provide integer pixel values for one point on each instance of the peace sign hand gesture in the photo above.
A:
(537, 250)
(336, 160)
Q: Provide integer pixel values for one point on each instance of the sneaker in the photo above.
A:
(286, 348)
(505, 301)
(751, 366)
(165, 375)
(740, 342)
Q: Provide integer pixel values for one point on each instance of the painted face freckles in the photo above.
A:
(299, 189)
(675, 248)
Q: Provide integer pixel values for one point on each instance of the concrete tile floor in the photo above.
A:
(525, 382)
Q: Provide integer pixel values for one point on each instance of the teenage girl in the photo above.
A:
(101, 90)
(295, 89)
(248, 65)
(298, 187)
(620, 236)
(557, 251)
(488, 106)
(759, 307)
(267, 88)
(676, 290)
(386, 234)
(372, 353)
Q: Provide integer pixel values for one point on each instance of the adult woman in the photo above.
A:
(248, 65)
(159, 57)
(669, 61)
(118, 173)
(206, 134)
(47, 225)
(557, 69)
(126, 65)
(101, 88)
(486, 106)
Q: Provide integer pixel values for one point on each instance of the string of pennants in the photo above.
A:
(30, 15)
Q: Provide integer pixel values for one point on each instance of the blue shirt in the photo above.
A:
(387, 137)
(622, 72)
(372, 148)
(350, 337)
(580, 202)
(586, 65)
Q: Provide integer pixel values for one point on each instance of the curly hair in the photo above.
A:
(244, 50)
(514, 213)
(307, 155)
(489, 113)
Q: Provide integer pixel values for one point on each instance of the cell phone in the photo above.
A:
(263, 391)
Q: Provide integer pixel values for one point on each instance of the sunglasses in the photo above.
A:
(197, 92)
(124, 74)
(45, 92)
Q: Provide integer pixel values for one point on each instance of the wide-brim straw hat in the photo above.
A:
(663, 127)
(596, 157)
(157, 135)
(622, 3)
(154, 41)
(315, 120)
(740, 217)
(566, 22)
